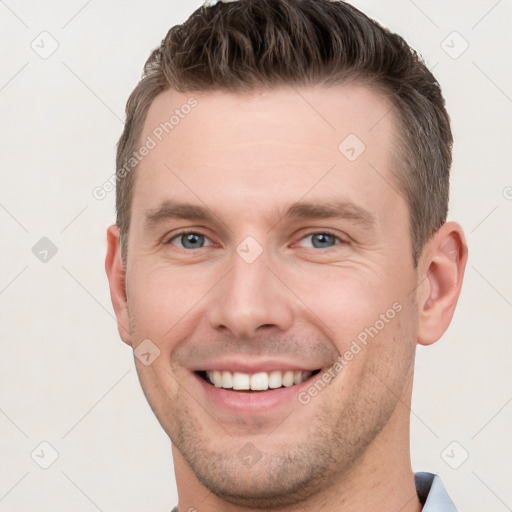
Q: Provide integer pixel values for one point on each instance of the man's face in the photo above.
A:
(259, 287)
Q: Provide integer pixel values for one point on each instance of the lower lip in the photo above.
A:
(255, 402)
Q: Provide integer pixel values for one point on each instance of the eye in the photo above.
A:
(189, 240)
(322, 240)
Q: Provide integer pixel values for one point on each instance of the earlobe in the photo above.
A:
(443, 268)
(116, 274)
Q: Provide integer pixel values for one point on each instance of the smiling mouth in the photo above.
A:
(261, 381)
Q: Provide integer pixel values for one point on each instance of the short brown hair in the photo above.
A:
(242, 45)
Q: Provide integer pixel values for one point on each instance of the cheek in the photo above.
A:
(162, 299)
(349, 302)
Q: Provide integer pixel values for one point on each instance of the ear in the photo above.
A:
(442, 270)
(116, 274)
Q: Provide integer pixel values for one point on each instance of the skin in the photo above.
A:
(246, 157)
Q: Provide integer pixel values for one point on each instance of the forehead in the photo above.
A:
(313, 119)
(273, 145)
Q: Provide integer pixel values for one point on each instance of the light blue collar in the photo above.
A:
(431, 491)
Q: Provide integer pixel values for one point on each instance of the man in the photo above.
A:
(281, 248)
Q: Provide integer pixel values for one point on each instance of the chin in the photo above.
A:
(272, 482)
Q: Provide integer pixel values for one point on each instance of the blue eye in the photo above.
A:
(193, 240)
(190, 240)
(322, 240)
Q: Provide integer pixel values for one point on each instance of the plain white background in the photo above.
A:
(66, 378)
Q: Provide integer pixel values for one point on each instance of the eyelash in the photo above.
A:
(312, 233)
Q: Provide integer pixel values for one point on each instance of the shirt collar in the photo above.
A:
(432, 493)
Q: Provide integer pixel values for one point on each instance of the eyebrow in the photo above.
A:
(338, 209)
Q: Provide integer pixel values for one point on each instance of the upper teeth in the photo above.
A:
(257, 381)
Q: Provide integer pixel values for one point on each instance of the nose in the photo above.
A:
(250, 298)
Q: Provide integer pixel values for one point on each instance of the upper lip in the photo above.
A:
(253, 365)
